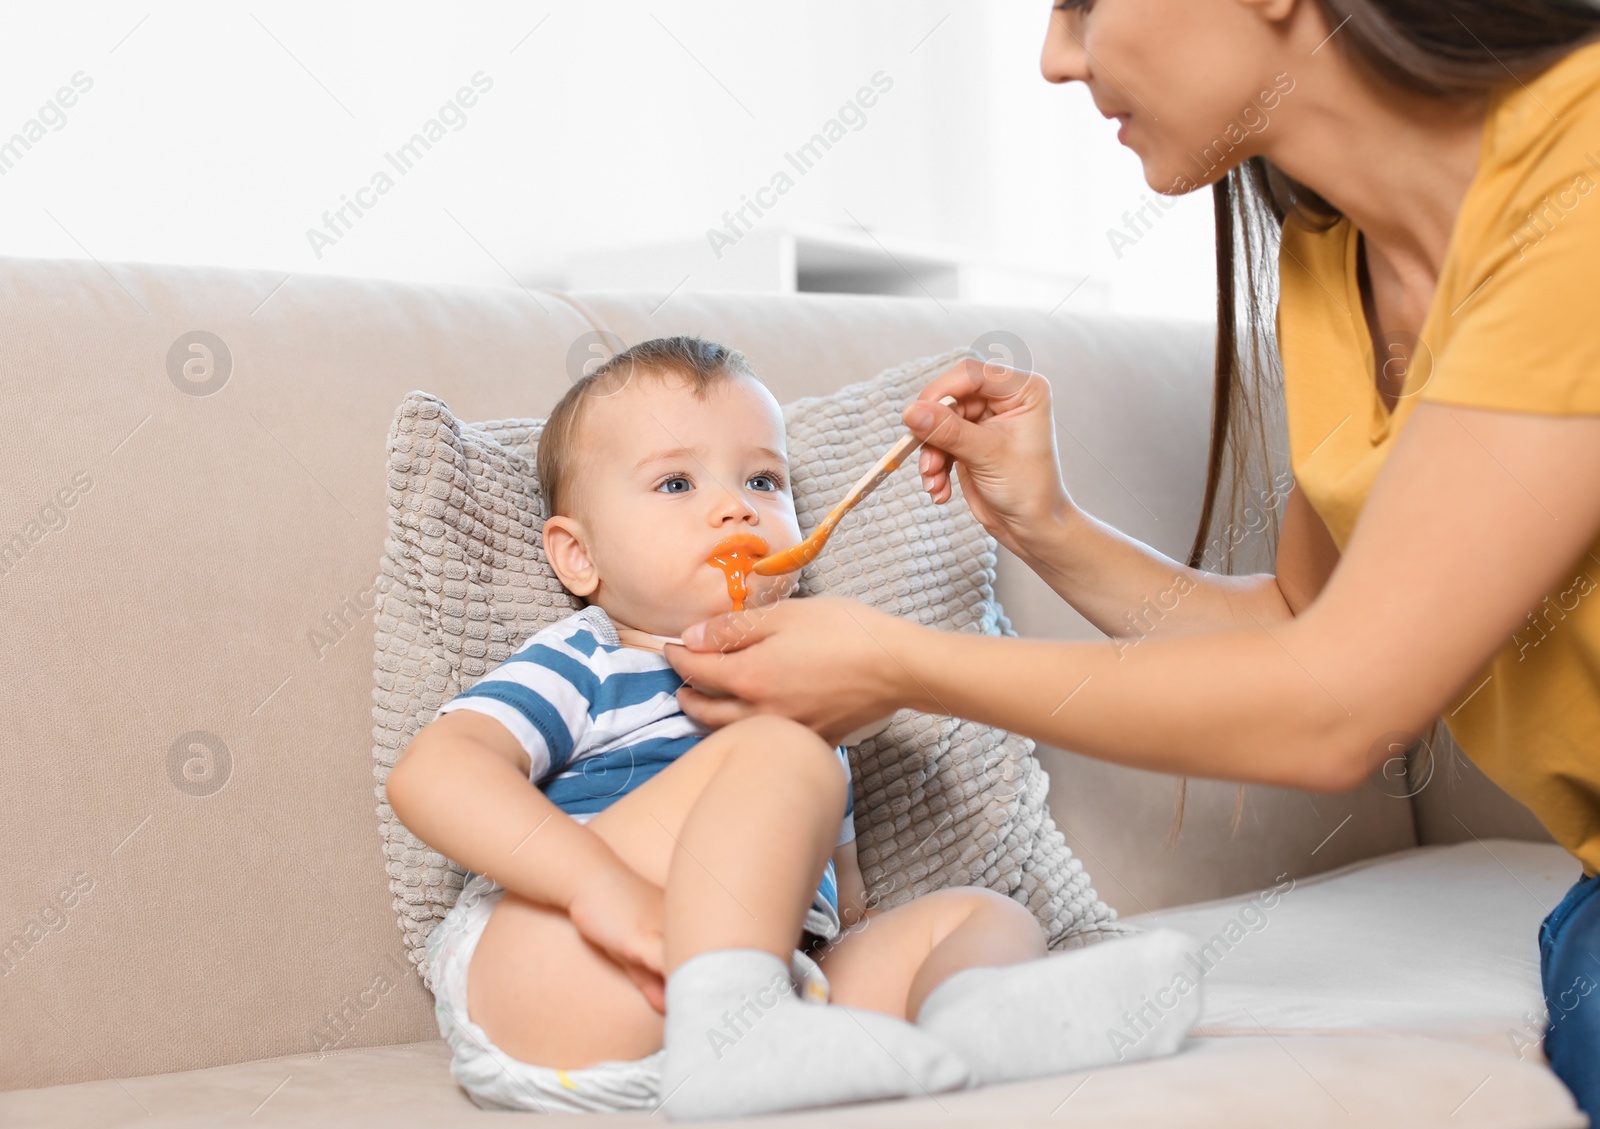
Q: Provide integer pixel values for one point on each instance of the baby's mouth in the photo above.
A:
(734, 556)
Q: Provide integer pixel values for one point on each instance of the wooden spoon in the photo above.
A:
(645, 640)
(793, 559)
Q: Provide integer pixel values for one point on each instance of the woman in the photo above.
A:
(1440, 356)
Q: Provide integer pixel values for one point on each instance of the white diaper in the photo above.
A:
(495, 1080)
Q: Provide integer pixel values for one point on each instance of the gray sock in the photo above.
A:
(1115, 1001)
(739, 1041)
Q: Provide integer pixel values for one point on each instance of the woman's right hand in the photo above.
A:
(621, 914)
(1001, 434)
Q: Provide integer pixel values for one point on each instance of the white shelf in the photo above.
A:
(787, 260)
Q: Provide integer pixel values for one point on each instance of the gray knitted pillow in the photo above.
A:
(939, 801)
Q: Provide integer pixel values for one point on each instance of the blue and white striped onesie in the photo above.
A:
(598, 719)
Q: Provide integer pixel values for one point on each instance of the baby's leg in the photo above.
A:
(891, 961)
(738, 839)
(544, 995)
(970, 966)
(753, 847)
(569, 1005)
(746, 863)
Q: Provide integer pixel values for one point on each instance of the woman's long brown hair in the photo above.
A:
(1433, 48)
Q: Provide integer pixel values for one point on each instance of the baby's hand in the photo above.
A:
(621, 914)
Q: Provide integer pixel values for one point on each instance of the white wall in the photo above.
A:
(220, 134)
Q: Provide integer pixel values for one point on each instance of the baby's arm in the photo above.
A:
(462, 787)
(853, 904)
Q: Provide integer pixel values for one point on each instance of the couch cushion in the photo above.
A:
(1435, 940)
(1414, 971)
(187, 653)
(939, 801)
(1260, 1082)
(1458, 803)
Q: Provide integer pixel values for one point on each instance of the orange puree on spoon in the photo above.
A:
(805, 552)
(734, 556)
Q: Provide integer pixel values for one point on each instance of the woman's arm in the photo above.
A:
(1000, 438)
(1126, 588)
(1475, 515)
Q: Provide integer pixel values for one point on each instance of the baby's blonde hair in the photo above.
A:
(704, 365)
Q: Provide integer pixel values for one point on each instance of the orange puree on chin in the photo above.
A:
(734, 556)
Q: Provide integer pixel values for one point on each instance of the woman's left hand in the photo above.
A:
(828, 662)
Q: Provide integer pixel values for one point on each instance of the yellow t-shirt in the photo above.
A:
(1514, 326)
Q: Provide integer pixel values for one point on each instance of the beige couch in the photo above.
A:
(198, 927)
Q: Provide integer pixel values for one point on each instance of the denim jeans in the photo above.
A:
(1569, 967)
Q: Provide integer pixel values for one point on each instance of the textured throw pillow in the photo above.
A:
(939, 801)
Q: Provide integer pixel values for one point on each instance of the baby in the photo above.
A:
(658, 910)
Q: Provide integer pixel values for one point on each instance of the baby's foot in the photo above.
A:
(739, 1041)
(1116, 1001)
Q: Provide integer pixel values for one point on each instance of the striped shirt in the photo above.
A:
(598, 719)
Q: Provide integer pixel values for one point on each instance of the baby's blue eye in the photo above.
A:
(765, 478)
(670, 481)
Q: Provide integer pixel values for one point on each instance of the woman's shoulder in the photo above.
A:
(1544, 134)
(1561, 103)
(1518, 284)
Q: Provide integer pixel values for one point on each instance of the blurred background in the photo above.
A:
(899, 147)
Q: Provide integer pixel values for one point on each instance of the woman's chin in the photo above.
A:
(1159, 175)
(1171, 175)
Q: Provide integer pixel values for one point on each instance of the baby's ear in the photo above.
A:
(569, 559)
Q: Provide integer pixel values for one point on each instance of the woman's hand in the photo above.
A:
(1002, 436)
(621, 914)
(827, 662)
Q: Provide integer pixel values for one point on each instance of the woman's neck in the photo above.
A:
(1396, 164)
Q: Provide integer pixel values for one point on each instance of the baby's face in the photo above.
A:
(662, 477)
